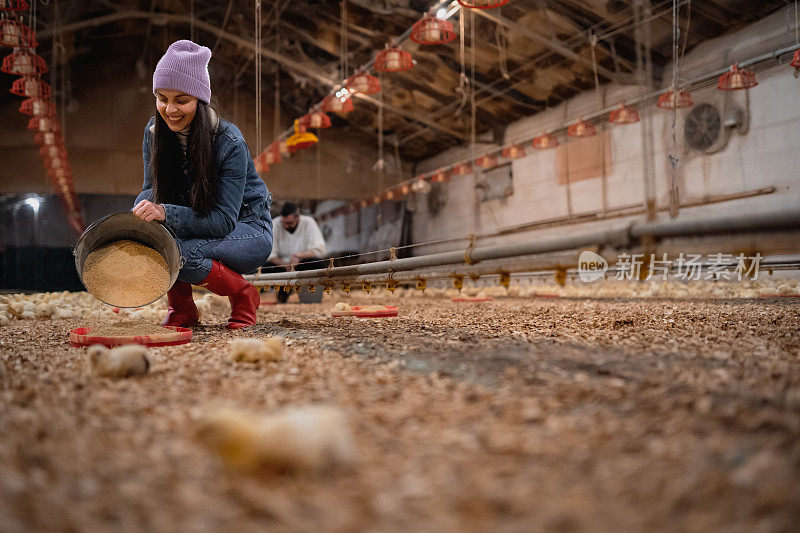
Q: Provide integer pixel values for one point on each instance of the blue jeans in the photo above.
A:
(243, 250)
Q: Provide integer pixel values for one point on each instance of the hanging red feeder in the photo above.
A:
(363, 83)
(22, 63)
(274, 153)
(44, 124)
(515, 151)
(300, 138)
(337, 104)
(736, 79)
(581, 129)
(388, 195)
(316, 119)
(37, 107)
(796, 63)
(623, 115)
(483, 4)
(15, 34)
(462, 169)
(432, 30)
(672, 100)
(53, 163)
(545, 141)
(405, 189)
(421, 185)
(393, 59)
(440, 176)
(260, 162)
(30, 87)
(486, 161)
(13, 5)
(53, 150)
(47, 138)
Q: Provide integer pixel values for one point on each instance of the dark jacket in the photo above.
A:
(242, 196)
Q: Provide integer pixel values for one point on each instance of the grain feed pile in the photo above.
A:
(127, 328)
(126, 274)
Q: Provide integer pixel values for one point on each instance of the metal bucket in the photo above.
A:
(127, 226)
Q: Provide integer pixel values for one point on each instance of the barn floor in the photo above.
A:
(551, 414)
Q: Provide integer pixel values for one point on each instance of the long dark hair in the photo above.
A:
(166, 157)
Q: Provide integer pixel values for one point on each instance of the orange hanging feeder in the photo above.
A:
(440, 176)
(23, 63)
(796, 63)
(260, 162)
(545, 141)
(47, 138)
(30, 87)
(486, 161)
(44, 124)
(15, 34)
(274, 153)
(13, 5)
(300, 138)
(462, 169)
(483, 4)
(53, 150)
(432, 30)
(316, 119)
(581, 129)
(393, 59)
(623, 115)
(515, 151)
(363, 83)
(37, 107)
(340, 105)
(736, 79)
(673, 100)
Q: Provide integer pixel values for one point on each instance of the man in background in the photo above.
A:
(297, 243)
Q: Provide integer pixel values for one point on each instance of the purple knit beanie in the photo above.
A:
(184, 67)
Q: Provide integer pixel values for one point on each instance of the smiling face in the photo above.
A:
(176, 108)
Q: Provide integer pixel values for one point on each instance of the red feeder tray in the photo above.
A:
(372, 311)
(82, 337)
(471, 299)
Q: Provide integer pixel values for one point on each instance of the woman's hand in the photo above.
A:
(147, 210)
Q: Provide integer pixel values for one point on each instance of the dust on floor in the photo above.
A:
(511, 414)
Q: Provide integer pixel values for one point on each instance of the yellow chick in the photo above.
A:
(255, 350)
(341, 306)
(301, 438)
(120, 362)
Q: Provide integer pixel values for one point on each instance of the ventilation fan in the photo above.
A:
(707, 126)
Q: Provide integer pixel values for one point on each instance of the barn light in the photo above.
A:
(300, 138)
(623, 115)
(363, 83)
(421, 185)
(23, 63)
(16, 34)
(30, 87)
(388, 195)
(796, 64)
(340, 103)
(13, 5)
(405, 189)
(673, 100)
(432, 30)
(514, 151)
(736, 79)
(393, 59)
(545, 141)
(581, 129)
(486, 161)
(440, 176)
(316, 119)
(483, 4)
(36, 107)
(462, 169)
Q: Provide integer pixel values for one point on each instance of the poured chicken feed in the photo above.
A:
(126, 274)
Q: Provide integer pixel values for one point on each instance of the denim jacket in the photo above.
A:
(242, 196)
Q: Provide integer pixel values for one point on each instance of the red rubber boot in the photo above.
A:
(243, 296)
(182, 312)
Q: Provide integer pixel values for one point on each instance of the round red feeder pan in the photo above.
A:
(336, 104)
(36, 107)
(30, 87)
(316, 119)
(372, 311)
(79, 337)
(15, 34)
(363, 83)
(462, 170)
(486, 161)
(393, 59)
(52, 150)
(483, 4)
(581, 129)
(440, 176)
(471, 299)
(545, 141)
(23, 63)
(514, 152)
(44, 124)
(432, 30)
(13, 5)
(47, 138)
(623, 115)
(671, 100)
(737, 79)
